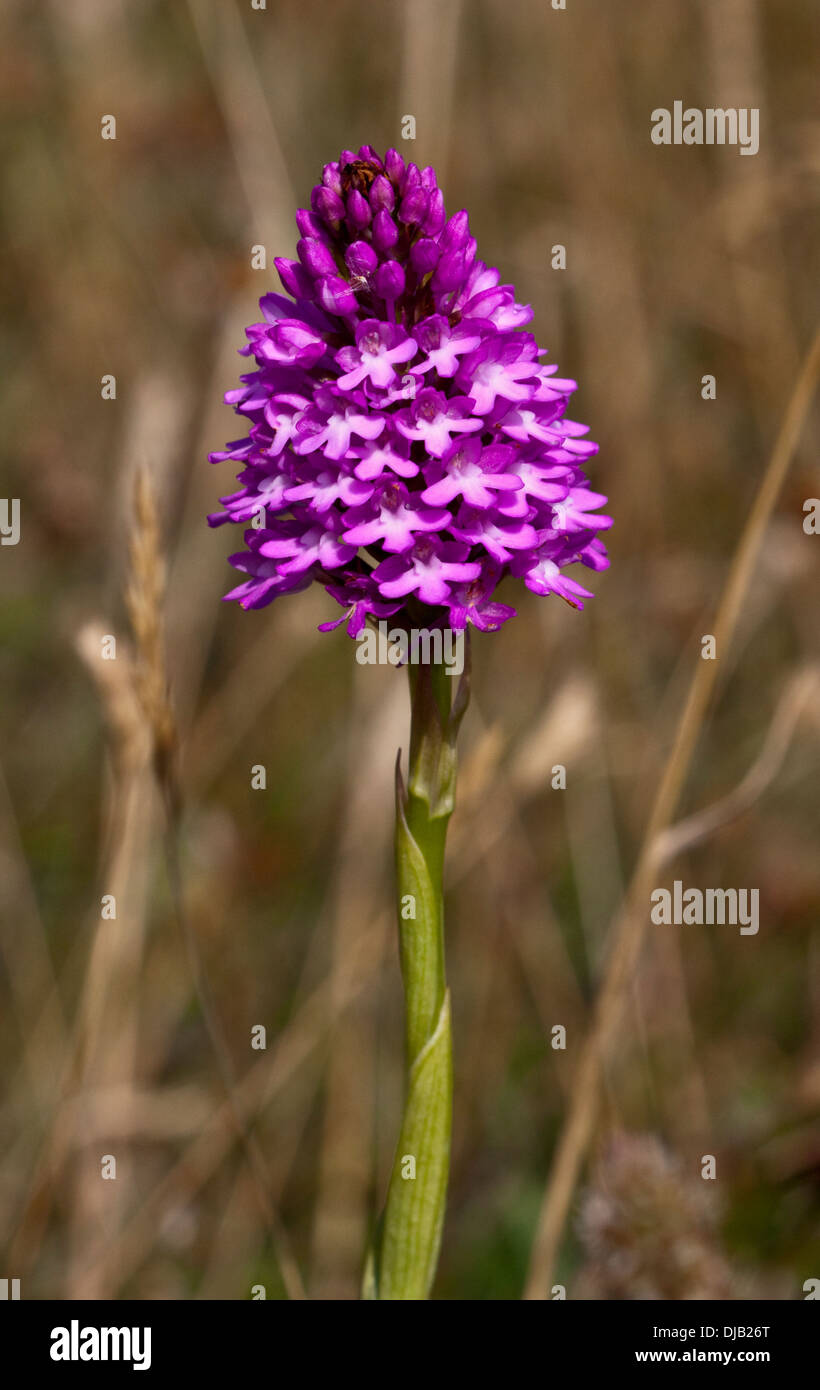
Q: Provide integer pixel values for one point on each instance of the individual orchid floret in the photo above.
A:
(443, 345)
(391, 520)
(428, 570)
(379, 346)
(433, 419)
(474, 472)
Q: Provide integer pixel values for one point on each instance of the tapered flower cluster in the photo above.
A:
(407, 448)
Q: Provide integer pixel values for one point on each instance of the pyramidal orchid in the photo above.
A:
(407, 448)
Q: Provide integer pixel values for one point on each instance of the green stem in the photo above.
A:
(405, 1262)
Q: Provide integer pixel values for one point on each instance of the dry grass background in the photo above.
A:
(238, 907)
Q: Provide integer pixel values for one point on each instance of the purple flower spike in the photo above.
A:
(406, 446)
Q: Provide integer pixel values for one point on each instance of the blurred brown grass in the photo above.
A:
(132, 257)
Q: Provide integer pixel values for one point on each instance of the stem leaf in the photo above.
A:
(415, 1205)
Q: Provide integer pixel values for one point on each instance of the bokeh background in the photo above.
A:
(243, 907)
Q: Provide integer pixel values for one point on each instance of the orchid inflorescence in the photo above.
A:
(407, 448)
